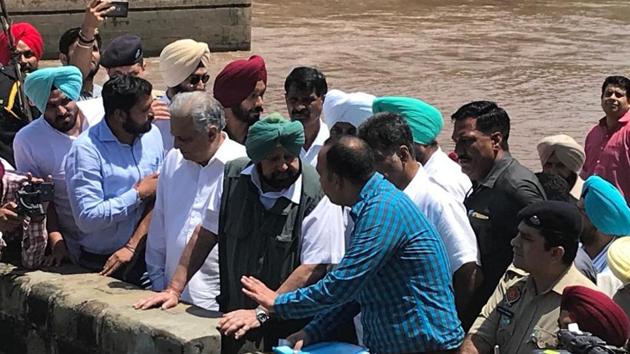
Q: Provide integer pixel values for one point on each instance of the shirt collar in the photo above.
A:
(292, 193)
(322, 135)
(570, 277)
(419, 181)
(497, 170)
(369, 189)
(224, 153)
(622, 121)
(103, 132)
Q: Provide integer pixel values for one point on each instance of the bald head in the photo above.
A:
(351, 158)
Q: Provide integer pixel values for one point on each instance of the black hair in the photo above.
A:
(489, 118)
(123, 92)
(555, 187)
(350, 157)
(307, 79)
(618, 81)
(555, 238)
(70, 36)
(385, 132)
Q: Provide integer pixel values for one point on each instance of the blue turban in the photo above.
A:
(605, 207)
(67, 79)
(271, 132)
(424, 120)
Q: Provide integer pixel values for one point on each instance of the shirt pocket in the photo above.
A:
(482, 226)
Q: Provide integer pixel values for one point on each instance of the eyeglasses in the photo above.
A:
(193, 80)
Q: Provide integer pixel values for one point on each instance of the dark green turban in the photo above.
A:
(270, 132)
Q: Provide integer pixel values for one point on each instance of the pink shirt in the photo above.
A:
(608, 154)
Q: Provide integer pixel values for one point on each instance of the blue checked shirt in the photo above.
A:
(395, 272)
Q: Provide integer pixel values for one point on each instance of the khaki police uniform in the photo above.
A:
(519, 319)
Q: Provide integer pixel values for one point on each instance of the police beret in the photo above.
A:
(122, 51)
(554, 216)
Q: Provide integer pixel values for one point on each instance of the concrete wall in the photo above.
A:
(224, 24)
(65, 312)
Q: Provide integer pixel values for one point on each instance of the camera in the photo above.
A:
(120, 9)
(32, 196)
(585, 343)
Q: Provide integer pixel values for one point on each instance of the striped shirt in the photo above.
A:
(395, 272)
(600, 261)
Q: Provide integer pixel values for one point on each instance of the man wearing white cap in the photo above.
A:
(184, 68)
(344, 112)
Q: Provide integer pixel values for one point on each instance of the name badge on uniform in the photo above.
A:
(506, 316)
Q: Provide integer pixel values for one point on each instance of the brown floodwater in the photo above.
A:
(543, 61)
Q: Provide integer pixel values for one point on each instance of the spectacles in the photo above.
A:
(193, 80)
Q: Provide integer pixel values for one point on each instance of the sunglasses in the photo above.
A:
(194, 79)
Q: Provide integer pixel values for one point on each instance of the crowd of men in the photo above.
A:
(342, 220)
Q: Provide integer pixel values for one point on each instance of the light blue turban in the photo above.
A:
(605, 207)
(67, 79)
(424, 120)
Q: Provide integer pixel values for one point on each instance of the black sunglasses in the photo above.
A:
(194, 79)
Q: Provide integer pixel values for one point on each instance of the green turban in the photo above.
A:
(424, 120)
(270, 132)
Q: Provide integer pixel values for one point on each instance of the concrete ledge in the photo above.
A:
(224, 24)
(68, 311)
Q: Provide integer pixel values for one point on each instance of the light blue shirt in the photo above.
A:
(101, 173)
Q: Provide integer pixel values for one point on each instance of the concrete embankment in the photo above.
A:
(67, 311)
(224, 24)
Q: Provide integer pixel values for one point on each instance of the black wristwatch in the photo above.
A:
(261, 315)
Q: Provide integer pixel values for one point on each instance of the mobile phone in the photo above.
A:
(31, 198)
(120, 9)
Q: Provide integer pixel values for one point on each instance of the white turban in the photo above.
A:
(353, 108)
(567, 150)
(181, 58)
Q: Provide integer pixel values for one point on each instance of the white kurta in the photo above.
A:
(323, 240)
(41, 150)
(310, 156)
(449, 218)
(184, 188)
(448, 174)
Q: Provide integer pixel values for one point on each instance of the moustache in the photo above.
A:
(303, 112)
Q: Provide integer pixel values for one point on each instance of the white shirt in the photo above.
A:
(448, 174)
(183, 191)
(323, 240)
(310, 156)
(164, 125)
(449, 218)
(41, 150)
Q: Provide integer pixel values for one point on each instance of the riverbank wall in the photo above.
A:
(68, 311)
(224, 24)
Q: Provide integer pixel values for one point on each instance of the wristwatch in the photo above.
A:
(261, 315)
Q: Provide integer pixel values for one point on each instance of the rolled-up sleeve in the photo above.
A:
(323, 234)
(84, 180)
(210, 220)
